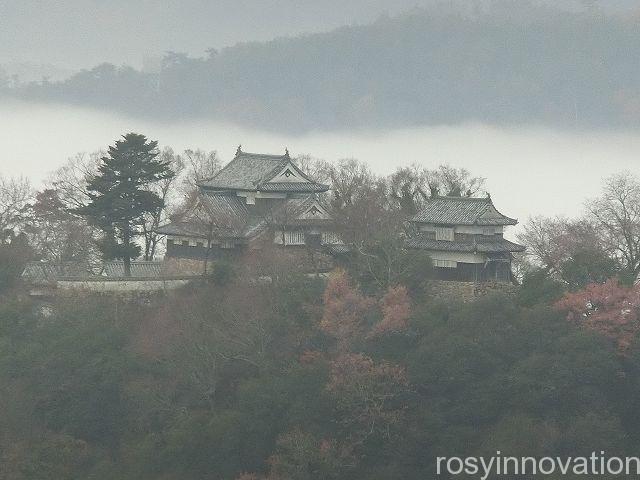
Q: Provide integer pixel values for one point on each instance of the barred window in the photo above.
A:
(290, 238)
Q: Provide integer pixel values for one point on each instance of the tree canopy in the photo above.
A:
(120, 195)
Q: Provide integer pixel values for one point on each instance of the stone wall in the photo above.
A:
(467, 291)
(185, 266)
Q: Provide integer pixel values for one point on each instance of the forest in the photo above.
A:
(516, 63)
(363, 375)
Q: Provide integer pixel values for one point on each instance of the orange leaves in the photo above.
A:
(609, 309)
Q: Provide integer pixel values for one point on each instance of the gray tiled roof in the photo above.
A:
(293, 208)
(488, 245)
(229, 212)
(338, 248)
(186, 229)
(293, 187)
(462, 211)
(252, 172)
(42, 273)
(139, 269)
(225, 213)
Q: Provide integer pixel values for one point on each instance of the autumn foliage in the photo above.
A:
(368, 394)
(366, 391)
(608, 308)
(396, 310)
(345, 310)
(348, 314)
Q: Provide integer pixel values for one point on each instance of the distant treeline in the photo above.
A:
(514, 65)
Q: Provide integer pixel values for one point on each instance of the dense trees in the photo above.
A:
(361, 376)
(515, 63)
(280, 381)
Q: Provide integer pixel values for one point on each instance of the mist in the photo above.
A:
(529, 171)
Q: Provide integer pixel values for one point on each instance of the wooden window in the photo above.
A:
(445, 264)
(185, 243)
(444, 233)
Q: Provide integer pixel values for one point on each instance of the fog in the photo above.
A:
(529, 171)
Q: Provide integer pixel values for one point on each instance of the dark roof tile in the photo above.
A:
(252, 172)
(488, 245)
(461, 211)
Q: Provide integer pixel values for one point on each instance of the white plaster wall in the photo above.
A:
(122, 285)
(471, 229)
(464, 257)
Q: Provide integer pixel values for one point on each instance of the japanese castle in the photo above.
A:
(255, 200)
(258, 200)
(464, 237)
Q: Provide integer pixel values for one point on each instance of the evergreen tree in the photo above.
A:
(120, 195)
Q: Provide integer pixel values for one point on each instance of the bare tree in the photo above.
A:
(350, 179)
(57, 235)
(70, 181)
(199, 166)
(225, 326)
(551, 242)
(410, 187)
(316, 168)
(453, 182)
(616, 214)
(15, 195)
(167, 190)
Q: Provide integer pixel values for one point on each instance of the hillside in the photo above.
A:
(296, 381)
(510, 66)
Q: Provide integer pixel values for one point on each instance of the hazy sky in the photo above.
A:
(528, 171)
(83, 33)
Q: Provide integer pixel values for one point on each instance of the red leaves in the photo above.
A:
(609, 308)
(396, 310)
(366, 392)
(347, 311)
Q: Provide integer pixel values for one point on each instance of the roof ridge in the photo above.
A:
(455, 197)
(268, 155)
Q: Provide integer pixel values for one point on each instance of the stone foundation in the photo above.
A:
(466, 291)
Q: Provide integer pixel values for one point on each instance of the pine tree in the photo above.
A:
(120, 195)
